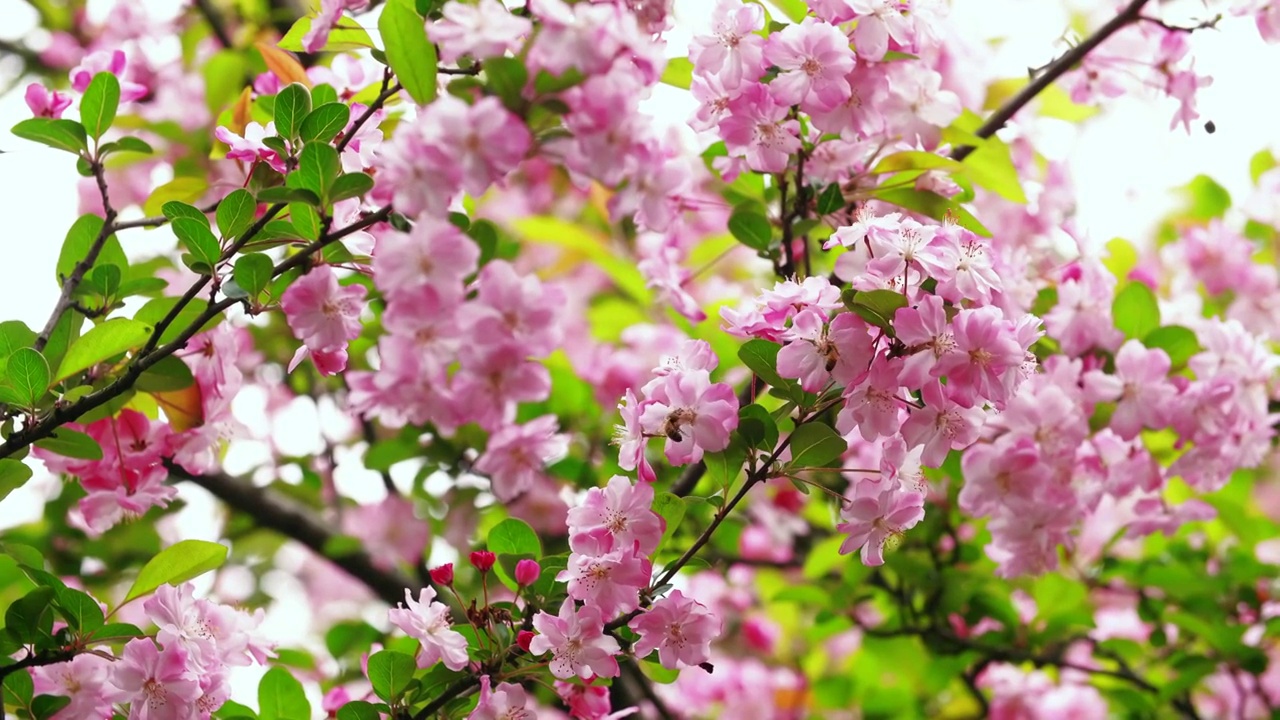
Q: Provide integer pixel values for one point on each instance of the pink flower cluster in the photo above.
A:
(681, 404)
(180, 675)
(427, 620)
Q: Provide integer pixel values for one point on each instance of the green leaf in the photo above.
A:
(99, 103)
(409, 53)
(507, 78)
(225, 74)
(390, 673)
(167, 375)
(28, 373)
(758, 427)
(129, 143)
(13, 475)
(1136, 311)
(253, 272)
(105, 279)
(761, 356)
(175, 209)
(235, 213)
(1121, 258)
(723, 467)
(30, 618)
(44, 707)
(359, 710)
(112, 632)
(914, 160)
(815, 444)
(325, 122)
(1178, 342)
(878, 307)
(71, 443)
(14, 334)
(670, 508)
(200, 242)
(576, 238)
(1260, 163)
(831, 199)
(305, 220)
(514, 537)
(282, 194)
(187, 189)
(177, 564)
(80, 610)
(66, 135)
(102, 342)
(80, 240)
(349, 186)
(933, 205)
(1206, 199)
(18, 688)
(293, 104)
(64, 333)
(990, 166)
(678, 73)
(795, 10)
(281, 697)
(318, 167)
(345, 35)
(750, 228)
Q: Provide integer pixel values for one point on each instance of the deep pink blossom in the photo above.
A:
(44, 102)
(618, 515)
(517, 454)
(157, 684)
(323, 314)
(504, 702)
(814, 58)
(109, 61)
(694, 414)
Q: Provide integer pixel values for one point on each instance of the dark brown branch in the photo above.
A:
(1054, 70)
(216, 23)
(297, 522)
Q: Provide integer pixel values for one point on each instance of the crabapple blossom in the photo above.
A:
(517, 454)
(679, 628)
(610, 582)
(157, 684)
(733, 52)
(871, 521)
(814, 58)
(577, 642)
(616, 516)
(324, 21)
(428, 622)
(693, 413)
(504, 702)
(44, 102)
(486, 29)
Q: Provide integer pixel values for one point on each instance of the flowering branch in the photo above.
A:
(1130, 14)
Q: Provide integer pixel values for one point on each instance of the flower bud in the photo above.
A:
(443, 575)
(527, 572)
(523, 638)
(483, 560)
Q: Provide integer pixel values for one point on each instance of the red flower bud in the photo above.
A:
(483, 560)
(527, 572)
(523, 638)
(443, 575)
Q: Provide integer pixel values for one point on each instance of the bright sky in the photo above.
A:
(1125, 163)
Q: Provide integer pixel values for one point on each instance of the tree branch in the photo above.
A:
(1130, 14)
(216, 23)
(297, 522)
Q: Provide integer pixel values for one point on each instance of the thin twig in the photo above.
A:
(214, 18)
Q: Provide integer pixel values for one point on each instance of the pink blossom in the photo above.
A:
(109, 61)
(44, 102)
(694, 414)
(928, 336)
(1005, 472)
(250, 148)
(517, 454)
(679, 628)
(985, 349)
(611, 582)
(392, 533)
(510, 306)
(616, 516)
(130, 495)
(941, 425)
(1140, 388)
(663, 272)
(505, 702)
(758, 127)
(486, 140)
(969, 274)
(324, 21)
(911, 245)
(876, 404)
(631, 439)
(434, 256)
(322, 313)
(158, 685)
(879, 20)
(733, 51)
(1182, 87)
(865, 225)
(871, 521)
(821, 351)
(83, 678)
(814, 58)
(577, 641)
(428, 621)
(486, 29)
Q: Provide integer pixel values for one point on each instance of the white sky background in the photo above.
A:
(1125, 162)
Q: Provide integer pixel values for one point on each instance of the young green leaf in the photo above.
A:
(200, 242)
(80, 610)
(878, 307)
(1178, 342)
(1136, 311)
(293, 104)
(410, 54)
(815, 444)
(390, 673)
(28, 374)
(66, 135)
(175, 209)
(71, 443)
(99, 103)
(514, 537)
(80, 240)
(177, 564)
(281, 697)
(761, 356)
(507, 78)
(318, 167)
(13, 475)
(750, 228)
(168, 375)
(102, 342)
(252, 272)
(282, 194)
(349, 186)
(345, 35)
(235, 213)
(325, 122)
